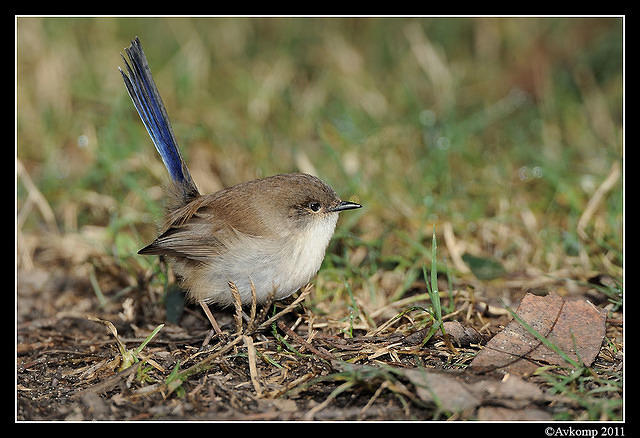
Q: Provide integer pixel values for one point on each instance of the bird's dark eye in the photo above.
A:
(314, 206)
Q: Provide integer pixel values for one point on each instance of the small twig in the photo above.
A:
(252, 319)
(204, 364)
(312, 412)
(237, 301)
(253, 368)
(254, 305)
(455, 248)
(110, 382)
(293, 387)
(102, 301)
(375, 396)
(36, 198)
(597, 197)
(282, 326)
(306, 291)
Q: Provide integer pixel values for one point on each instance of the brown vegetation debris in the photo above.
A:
(575, 327)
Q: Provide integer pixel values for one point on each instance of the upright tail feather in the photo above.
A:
(145, 96)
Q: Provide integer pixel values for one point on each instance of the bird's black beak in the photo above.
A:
(346, 205)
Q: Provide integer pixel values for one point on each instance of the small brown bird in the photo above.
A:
(269, 234)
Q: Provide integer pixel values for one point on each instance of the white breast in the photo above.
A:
(284, 264)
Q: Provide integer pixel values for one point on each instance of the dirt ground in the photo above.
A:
(296, 367)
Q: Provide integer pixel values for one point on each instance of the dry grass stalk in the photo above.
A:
(305, 292)
(237, 302)
(597, 198)
(253, 368)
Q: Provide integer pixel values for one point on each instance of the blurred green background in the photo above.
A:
(497, 130)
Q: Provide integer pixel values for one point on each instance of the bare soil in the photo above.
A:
(303, 366)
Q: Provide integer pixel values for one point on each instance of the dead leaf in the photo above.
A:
(494, 413)
(444, 390)
(462, 335)
(453, 393)
(460, 392)
(576, 327)
(510, 392)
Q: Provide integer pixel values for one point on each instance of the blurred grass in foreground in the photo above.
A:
(498, 131)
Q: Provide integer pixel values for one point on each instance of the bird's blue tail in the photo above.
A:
(146, 98)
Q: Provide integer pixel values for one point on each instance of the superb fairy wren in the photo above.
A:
(269, 234)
